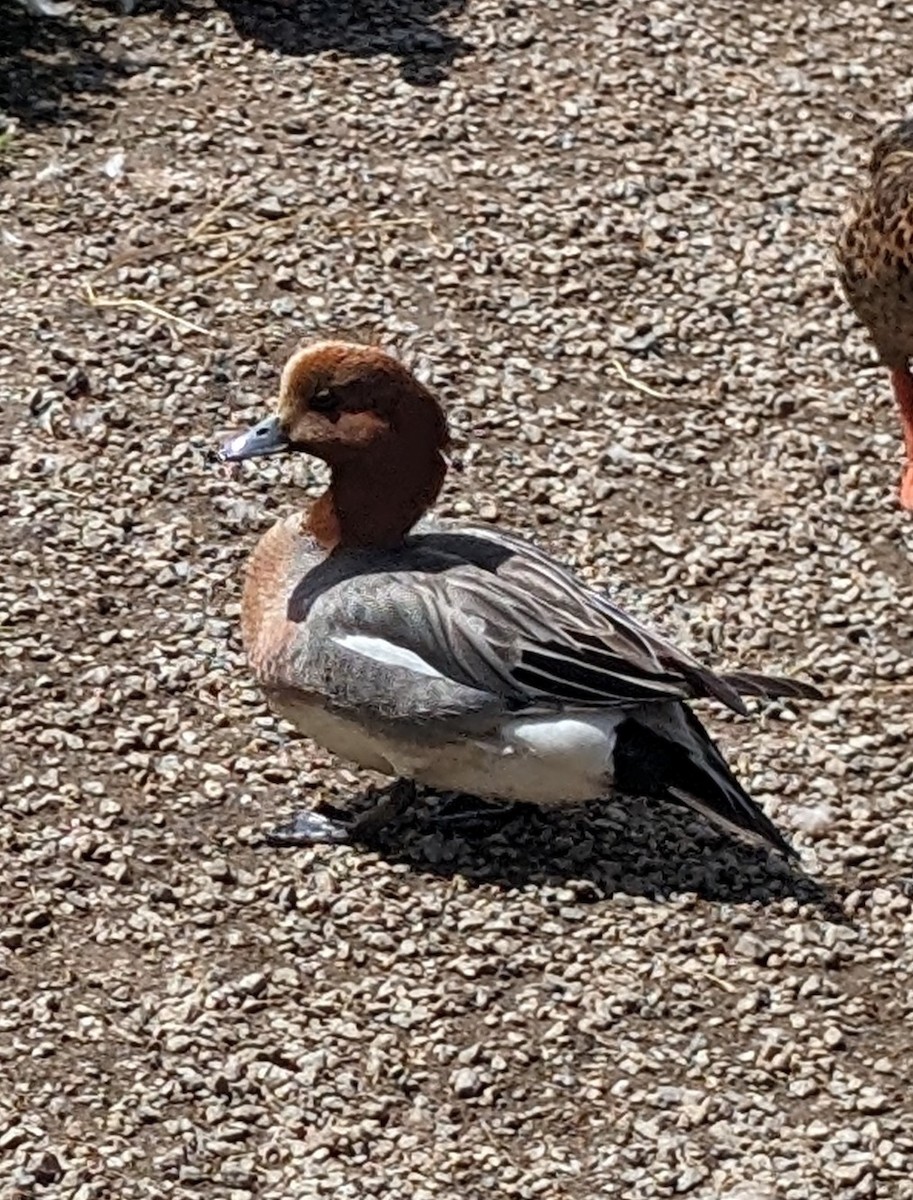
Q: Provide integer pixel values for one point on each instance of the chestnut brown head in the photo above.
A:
(339, 401)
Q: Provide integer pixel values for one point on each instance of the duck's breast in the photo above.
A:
(282, 557)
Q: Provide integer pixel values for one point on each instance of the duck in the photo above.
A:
(460, 657)
(874, 251)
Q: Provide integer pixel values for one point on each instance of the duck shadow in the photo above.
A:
(45, 62)
(624, 846)
(408, 30)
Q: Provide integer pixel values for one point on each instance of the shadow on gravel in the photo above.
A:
(405, 29)
(631, 847)
(47, 63)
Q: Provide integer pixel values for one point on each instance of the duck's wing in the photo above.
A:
(473, 619)
(635, 639)
(637, 663)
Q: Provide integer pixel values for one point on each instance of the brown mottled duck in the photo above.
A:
(875, 259)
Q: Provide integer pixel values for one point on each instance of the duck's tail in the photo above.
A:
(665, 752)
(771, 687)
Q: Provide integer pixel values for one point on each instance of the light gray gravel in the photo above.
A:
(603, 233)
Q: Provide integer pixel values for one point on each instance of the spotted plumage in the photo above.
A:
(875, 262)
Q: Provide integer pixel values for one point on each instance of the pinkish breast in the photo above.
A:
(269, 580)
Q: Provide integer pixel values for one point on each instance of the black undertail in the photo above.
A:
(651, 765)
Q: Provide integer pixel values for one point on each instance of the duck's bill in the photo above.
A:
(266, 437)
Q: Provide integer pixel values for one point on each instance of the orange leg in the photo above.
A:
(903, 394)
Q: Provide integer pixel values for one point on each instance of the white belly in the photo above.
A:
(548, 760)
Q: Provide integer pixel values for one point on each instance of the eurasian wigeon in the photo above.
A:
(460, 657)
(875, 261)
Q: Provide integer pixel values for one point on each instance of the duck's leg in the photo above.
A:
(336, 826)
(471, 812)
(902, 381)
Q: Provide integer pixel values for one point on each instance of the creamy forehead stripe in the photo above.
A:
(388, 653)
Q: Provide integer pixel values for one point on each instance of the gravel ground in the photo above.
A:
(602, 231)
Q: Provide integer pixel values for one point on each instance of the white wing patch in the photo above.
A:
(388, 653)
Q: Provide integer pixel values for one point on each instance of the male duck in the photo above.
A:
(875, 261)
(461, 657)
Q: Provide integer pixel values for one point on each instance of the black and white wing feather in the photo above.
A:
(486, 612)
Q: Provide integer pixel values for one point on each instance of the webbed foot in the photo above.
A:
(328, 824)
(311, 828)
(475, 815)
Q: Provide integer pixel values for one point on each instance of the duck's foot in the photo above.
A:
(310, 829)
(474, 815)
(906, 487)
(335, 826)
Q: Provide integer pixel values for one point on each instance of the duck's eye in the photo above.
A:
(323, 401)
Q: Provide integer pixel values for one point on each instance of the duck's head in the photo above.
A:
(382, 433)
(894, 142)
(339, 401)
